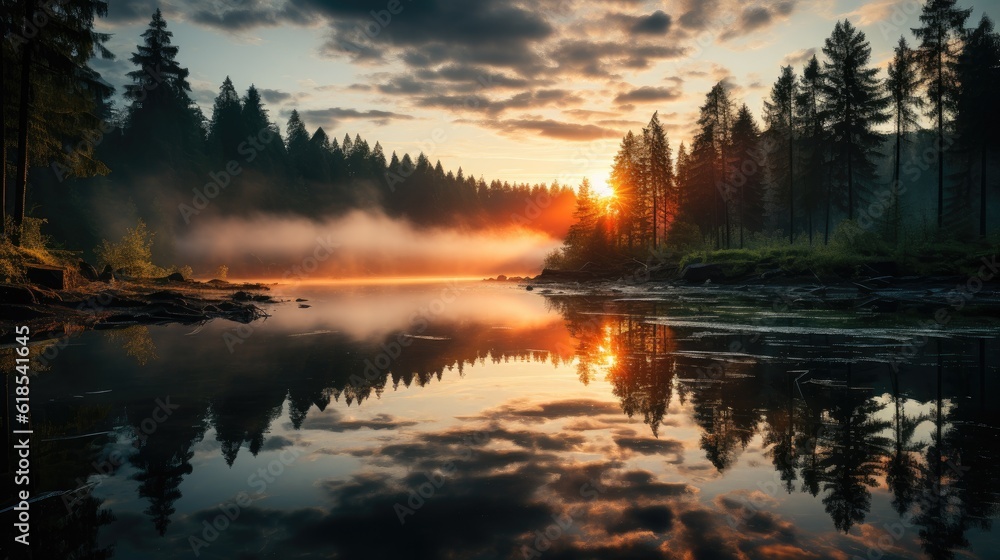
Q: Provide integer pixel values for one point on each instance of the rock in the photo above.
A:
(304, 306)
(175, 277)
(702, 272)
(16, 294)
(88, 271)
(52, 277)
(107, 274)
(530, 288)
(502, 278)
(299, 300)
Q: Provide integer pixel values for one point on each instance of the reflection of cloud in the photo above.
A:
(333, 421)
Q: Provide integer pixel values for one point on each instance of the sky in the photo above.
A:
(526, 91)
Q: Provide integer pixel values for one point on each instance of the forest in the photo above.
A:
(848, 159)
(90, 168)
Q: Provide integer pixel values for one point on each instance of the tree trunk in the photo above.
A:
(791, 190)
(982, 191)
(940, 126)
(895, 187)
(21, 177)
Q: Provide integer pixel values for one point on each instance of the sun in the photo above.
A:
(602, 190)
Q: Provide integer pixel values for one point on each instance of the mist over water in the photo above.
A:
(357, 245)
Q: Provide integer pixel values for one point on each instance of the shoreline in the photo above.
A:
(124, 303)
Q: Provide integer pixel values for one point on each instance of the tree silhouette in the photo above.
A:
(942, 24)
(854, 106)
(779, 116)
(903, 83)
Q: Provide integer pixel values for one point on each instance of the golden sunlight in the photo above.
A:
(602, 189)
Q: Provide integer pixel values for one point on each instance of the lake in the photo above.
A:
(480, 420)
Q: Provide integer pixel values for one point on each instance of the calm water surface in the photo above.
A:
(479, 421)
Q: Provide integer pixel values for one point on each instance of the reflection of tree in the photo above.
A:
(136, 342)
(641, 368)
(940, 516)
(903, 466)
(853, 452)
(727, 408)
(779, 433)
(164, 459)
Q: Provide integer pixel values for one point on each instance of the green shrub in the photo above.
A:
(133, 253)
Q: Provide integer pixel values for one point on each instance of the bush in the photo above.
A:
(133, 253)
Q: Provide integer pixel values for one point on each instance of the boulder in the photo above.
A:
(107, 274)
(701, 272)
(88, 271)
(175, 277)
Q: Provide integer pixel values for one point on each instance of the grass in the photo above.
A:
(851, 252)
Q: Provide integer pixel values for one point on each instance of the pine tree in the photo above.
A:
(779, 116)
(902, 85)
(659, 175)
(164, 124)
(747, 175)
(626, 176)
(854, 105)
(58, 97)
(716, 121)
(811, 126)
(226, 129)
(976, 117)
(940, 34)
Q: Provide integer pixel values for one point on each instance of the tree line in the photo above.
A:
(160, 150)
(829, 131)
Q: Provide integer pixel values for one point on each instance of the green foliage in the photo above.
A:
(133, 253)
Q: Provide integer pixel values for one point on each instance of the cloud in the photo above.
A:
(550, 128)
(333, 421)
(647, 94)
(757, 18)
(334, 115)
(274, 96)
(656, 23)
(799, 57)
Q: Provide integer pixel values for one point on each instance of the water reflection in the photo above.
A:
(511, 425)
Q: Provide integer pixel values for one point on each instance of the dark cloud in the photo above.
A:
(697, 14)
(275, 443)
(249, 14)
(755, 18)
(656, 23)
(124, 12)
(658, 519)
(647, 94)
(653, 446)
(334, 115)
(274, 95)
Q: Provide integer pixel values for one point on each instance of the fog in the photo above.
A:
(356, 245)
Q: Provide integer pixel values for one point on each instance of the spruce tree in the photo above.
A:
(939, 36)
(779, 116)
(902, 84)
(854, 105)
(977, 118)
